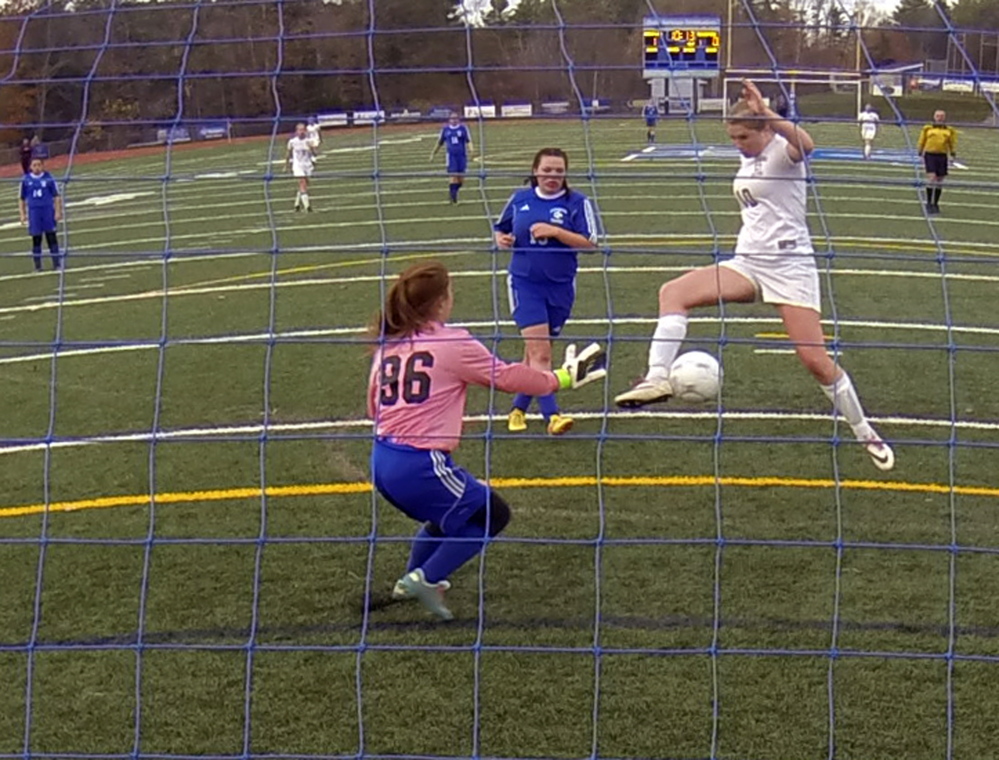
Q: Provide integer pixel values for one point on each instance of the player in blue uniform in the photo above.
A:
(545, 225)
(651, 114)
(458, 141)
(41, 211)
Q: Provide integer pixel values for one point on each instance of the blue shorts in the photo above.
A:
(426, 484)
(650, 123)
(41, 220)
(457, 163)
(533, 303)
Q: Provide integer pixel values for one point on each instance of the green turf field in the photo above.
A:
(672, 584)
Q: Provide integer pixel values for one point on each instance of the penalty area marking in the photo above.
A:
(633, 481)
(319, 426)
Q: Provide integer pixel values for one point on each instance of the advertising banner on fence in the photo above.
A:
(481, 110)
(173, 135)
(369, 117)
(958, 85)
(213, 131)
(333, 119)
(517, 110)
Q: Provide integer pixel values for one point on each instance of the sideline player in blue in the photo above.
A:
(458, 140)
(651, 114)
(545, 225)
(41, 211)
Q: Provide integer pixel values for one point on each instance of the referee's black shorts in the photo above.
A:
(936, 163)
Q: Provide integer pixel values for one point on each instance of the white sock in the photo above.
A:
(845, 402)
(298, 198)
(305, 200)
(867, 150)
(671, 329)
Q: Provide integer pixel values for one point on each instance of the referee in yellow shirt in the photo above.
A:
(937, 142)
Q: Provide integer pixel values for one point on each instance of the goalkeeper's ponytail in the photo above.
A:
(413, 301)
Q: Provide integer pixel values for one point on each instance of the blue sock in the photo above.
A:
(426, 541)
(522, 402)
(453, 552)
(548, 404)
(454, 187)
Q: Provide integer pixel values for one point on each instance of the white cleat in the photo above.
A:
(644, 392)
(880, 453)
(401, 592)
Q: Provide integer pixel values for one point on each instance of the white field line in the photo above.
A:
(301, 335)
(313, 226)
(484, 241)
(319, 426)
(327, 281)
(140, 264)
(142, 210)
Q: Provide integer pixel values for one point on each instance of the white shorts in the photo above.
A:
(301, 170)
(793, 280)
(314, 142)
(868, 133)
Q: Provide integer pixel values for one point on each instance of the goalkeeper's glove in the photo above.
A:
(577, 371)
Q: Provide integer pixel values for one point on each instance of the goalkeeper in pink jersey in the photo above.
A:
(419, 377)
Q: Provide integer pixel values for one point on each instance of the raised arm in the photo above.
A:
(477, 366)
(800, 143)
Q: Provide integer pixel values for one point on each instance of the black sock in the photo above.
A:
(936, 195)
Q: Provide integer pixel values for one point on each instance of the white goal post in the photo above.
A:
(792, 80)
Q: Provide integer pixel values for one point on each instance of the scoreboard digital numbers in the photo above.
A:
(682, 46)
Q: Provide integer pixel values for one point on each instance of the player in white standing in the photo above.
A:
(315, 136)
(301, 160)
(868, 120)
(774, 260)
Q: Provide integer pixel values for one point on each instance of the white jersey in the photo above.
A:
(868, 124)
(313, 134)
(771, 192)
(301, 152)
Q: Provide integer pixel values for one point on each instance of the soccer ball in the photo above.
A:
(695, 377)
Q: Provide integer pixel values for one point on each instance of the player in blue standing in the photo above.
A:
(651, 114)
(545, 225)
(458, 142)
(41, 211)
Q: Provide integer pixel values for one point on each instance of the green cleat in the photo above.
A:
(414, 586)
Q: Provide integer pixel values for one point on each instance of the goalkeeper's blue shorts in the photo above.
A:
(426, 484)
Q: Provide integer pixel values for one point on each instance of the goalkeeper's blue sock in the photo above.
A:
(548, 404)
(426, 541)
(522, 402)
(454, 551)
(465, 541)
(453, 188)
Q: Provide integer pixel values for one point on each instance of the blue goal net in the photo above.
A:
(207, 201)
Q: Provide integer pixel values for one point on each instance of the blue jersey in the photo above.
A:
(546, 260)
(39, 191)
(455, 138)
(650, 112)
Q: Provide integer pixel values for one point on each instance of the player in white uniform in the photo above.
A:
(300, 159)
(315, 135)
(868, 120)
(773, 261)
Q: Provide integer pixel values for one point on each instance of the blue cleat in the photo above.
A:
(431, 595)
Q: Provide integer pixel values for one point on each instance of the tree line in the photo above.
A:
(105, 73)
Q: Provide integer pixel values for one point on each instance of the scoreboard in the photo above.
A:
(682, 46)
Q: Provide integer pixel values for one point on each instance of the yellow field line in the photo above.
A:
(784, 335)
(327, 489)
